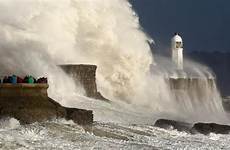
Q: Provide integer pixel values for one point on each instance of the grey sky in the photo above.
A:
(204, 24)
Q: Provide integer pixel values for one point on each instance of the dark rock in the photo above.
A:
(80, 116)
(30, 103)
(203, 128)
(86, 76)
(206, 128)
(167, 124)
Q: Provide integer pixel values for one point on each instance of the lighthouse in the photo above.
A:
(177, 51)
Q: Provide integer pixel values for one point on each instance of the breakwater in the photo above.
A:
(30, 103)
(86, 76)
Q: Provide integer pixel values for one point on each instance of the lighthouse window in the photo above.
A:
(179, 45)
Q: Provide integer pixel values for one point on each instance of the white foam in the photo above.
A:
(9, 123)
(38, 35)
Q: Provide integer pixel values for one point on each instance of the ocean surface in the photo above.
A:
(36, 35)
(116, 126)
(61, 134)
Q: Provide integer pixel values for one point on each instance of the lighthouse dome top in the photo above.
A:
(177, 38)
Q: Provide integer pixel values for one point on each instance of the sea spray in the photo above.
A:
(38, 35)
(105, 33)
(193, 90)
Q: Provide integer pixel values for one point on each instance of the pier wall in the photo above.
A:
(86, 76)
(190, 83)
(30, 103)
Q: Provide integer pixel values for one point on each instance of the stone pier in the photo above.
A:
(86, 76)
(30, 103)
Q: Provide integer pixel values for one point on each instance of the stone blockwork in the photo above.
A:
(190, 83)
(86, 75)
(30, 103)
(226, 104)
(195, 93)
(23, 90)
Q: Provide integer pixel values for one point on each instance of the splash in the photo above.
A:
(47, 33)
(193, 90)
(37, 35)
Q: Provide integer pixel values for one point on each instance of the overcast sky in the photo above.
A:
(203, 24)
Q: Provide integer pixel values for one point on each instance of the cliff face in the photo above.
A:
(86, 75)
(29, 103)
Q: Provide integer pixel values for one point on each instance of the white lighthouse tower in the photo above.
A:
(177, 51)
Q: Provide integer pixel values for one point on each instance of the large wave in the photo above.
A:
(37, 35)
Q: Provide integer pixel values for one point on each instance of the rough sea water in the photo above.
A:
(61, 134)
(38, 35)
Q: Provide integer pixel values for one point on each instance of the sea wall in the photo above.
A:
(86, 76)
(23, 90)
(226, 103)
(190, 83)
(30, 103)
(196, 95)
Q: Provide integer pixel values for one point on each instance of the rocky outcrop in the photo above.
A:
(79, 116)
(203, 128)
(30, 103)
(168, 124)
(206, 128)
(86, 76)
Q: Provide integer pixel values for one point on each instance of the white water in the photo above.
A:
(198, 96)
(61, 134)
(106, 33)
(37, 35)
(46, 33)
